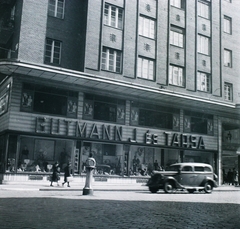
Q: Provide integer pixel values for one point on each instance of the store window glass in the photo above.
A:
(198, 123)
(39, 154)
(196, 156)
(49, 100)
(154, 116)
(109, 158)
(103, 108)
(11, 154)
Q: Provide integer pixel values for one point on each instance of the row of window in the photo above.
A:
(113, 16)
(54, 101)
(112, 61)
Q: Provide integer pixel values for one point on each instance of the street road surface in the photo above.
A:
(118, 209)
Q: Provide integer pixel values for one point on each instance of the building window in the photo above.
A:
(146, 27)
(203, 45)
(228, 91)
(113, 16)
(176, 76)
(227, 25)
(198, 123)
(53, 51)
(227, 58)
(177, 3)
(103, 108)
(203, 82)
(204, 9)
(49, 100)
(145, 68)
(56, 8)
(176, 36)
(111, 60)
(148, 115)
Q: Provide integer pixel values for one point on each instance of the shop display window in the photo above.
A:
(154, 116)
(103, 108)
(49, 100)
(198, 123)
(201, 157)
(109, 158)
(4, 95)
(38, 155)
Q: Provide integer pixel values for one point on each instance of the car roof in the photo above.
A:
(192, 164)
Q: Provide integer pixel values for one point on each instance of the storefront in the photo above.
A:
(118, 150)
(127, 137)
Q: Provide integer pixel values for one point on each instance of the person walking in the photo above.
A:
(67, 174)
(55, 174)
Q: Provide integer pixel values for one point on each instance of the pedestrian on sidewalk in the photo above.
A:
(67, 174)
(55, 174)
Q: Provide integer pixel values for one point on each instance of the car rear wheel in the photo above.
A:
(208, 187)
(168, 187)
(153, 189)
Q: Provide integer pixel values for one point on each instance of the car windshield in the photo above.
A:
(173, 168)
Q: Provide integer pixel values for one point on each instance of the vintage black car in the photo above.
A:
(184, 176)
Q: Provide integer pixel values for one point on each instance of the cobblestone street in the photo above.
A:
(113, 209)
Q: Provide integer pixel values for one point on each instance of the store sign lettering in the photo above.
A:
(109, 132)
(177, 140)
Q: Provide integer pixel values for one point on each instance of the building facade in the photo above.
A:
(141, 84)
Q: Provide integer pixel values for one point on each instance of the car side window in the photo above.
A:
(207, 169)
(198, 169)
(187, 168)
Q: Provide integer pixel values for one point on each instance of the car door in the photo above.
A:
(187, 176)
(199, 175)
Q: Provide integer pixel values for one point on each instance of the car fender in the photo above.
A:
(209, 179)
(175, 182)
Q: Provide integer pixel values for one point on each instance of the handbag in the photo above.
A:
(70, 179)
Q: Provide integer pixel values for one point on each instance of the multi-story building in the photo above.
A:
(134, 82)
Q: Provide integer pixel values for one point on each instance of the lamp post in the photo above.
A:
(90, 166)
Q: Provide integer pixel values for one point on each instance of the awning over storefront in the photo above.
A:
(132, 90)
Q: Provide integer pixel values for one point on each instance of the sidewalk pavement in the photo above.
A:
(96, 186)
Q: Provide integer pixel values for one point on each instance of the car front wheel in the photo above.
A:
(208, 187)
(168, 187)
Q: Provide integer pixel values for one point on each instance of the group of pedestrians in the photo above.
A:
(56, 172)
(231, 178)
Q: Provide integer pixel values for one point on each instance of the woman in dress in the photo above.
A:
(67, 173)
(55, 173)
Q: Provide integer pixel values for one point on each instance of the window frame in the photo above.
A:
(207, 81)
(146, 65)
(109, 20)
(110, 58)
(56, 6)
(90, 100)
(204, 9)
(30, 93)
(198, 123)
(176, 37)
(52, 51)
(203, 45)
(180, 76)
(177, 3)
(228, 91)
(227, 24)
(227, 58)
(153, 116)
(147, 27)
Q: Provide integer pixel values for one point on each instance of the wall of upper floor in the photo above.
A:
(24, 116)
(90, 40)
